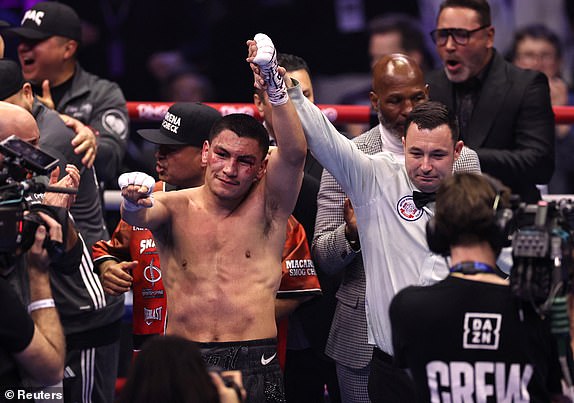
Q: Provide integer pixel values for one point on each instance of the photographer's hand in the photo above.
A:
(43, 358)
(115, 276)
(38, 259)
(70, 181)
(229, 394)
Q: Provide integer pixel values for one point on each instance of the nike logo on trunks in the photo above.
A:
(265, 361)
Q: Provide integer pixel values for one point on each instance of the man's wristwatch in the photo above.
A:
(355, 246)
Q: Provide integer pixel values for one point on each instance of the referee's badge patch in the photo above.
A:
(407, 209)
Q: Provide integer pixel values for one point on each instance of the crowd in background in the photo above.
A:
(125, 41)
(143, 44)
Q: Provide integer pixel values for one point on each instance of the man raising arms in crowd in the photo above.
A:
(220, 244)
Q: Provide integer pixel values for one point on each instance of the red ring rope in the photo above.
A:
(154, 111)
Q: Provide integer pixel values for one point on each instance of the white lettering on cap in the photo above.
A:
(171, 122)
(33, 15)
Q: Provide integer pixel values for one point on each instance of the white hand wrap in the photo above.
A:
(137, 179)
(266, 59)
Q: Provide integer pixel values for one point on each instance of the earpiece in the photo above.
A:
(439, 242)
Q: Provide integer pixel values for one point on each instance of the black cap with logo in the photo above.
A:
(46, 19)
(185, 123)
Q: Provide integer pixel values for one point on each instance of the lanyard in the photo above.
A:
(472, 268)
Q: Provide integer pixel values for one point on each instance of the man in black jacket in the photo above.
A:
(504, 112)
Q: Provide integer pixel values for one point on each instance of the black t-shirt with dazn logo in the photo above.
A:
(463, 340)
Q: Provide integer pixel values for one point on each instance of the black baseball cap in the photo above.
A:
(11, 80)
(46, 19)
(185, 123)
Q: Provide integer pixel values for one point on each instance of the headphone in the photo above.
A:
(500, 230)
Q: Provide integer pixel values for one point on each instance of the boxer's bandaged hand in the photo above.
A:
(266, 59)
(136, 179)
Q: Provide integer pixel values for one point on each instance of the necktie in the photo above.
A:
(467, 94)
(421, 199)
(465, 113)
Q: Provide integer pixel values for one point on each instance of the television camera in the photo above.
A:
(22, 175)
(542, 248)
(543, 268)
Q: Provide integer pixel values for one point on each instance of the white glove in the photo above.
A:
(137, 179)
(266, 59)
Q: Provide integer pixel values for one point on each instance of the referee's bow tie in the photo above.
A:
(421, 199)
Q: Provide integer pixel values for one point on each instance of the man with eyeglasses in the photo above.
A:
(504, 112)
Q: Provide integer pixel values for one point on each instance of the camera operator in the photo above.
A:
(32, 340)
(65, 250)
(467, 338)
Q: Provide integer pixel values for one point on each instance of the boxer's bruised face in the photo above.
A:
(233, 164)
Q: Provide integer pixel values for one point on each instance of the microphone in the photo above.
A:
(58, 189)
(40, 185)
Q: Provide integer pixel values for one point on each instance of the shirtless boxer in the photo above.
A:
(220, 244)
